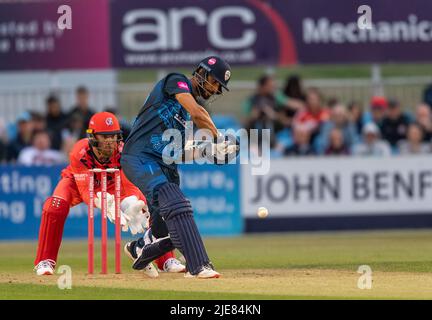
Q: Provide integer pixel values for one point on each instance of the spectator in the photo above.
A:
(39, 153)
(423, 119)
(332, 102)
(3, 141)
(82, 108)
(3, 151)
(313, 115)
(338, 119)
(290, 100)
(372, 145)
(413, 144)
(427, 95)
(23, 137)
(378, 107)
(336, 145)
(262, 107)
(395, 124)
(294, 89)
(302, 144)
(355, 116)
(73, 131)
(39, 122)
(55, 120)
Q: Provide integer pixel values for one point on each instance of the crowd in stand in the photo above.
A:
(46, 139)
(301, 122)
(304, 123)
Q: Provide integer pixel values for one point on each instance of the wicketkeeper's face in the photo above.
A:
(107, 144)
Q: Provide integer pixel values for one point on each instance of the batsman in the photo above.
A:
(174, 101)
(101, 149)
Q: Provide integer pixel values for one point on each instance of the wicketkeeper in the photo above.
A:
(102, 149)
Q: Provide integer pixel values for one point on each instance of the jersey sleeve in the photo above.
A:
(80, 174)
(177, 83)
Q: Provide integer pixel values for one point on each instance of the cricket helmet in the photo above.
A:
(218, 68)
(104, 123)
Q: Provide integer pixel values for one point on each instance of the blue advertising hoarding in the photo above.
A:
(213, 191)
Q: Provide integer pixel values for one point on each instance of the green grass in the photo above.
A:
(263, 262)
(403, 251)
(38, 292)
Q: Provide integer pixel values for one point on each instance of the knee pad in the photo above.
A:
(56, 206)
(172, 202)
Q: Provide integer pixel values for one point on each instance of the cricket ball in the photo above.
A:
(262, 212)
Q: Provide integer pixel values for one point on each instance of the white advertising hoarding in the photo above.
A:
(303, 187)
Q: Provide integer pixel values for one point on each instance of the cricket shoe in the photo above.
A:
(172, 265)
(45, 267)
(206, 273)
(131, 249)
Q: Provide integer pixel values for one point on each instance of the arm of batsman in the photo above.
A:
(136, 213)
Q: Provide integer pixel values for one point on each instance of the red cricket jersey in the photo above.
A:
(82, 159)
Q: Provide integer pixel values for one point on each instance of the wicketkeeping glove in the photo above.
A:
(111, 210)
(136, 213)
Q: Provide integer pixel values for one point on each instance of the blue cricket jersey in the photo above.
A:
(161, 111)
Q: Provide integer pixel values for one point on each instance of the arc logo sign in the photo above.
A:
(162, 35)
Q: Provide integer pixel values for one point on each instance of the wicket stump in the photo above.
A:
(104, 229)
